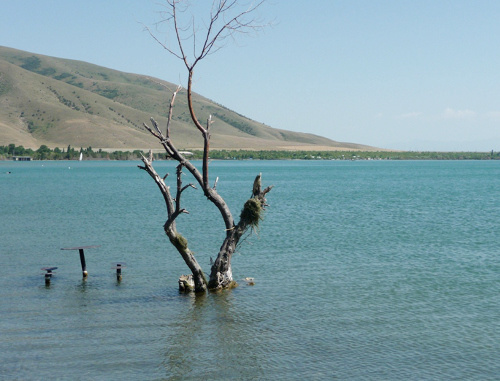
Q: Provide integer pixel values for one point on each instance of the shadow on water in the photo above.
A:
(179, 357)
(213, 339)
(83, 295)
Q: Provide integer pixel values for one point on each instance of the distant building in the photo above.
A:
(22, 158)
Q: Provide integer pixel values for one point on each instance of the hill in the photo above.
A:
(60, 102)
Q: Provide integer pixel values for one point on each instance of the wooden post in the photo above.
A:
(82, 261)
(82, 257)
(118, 272)
(119, 266)
(48, 274)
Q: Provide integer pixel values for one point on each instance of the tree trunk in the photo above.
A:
(221, 275)
(197, 281)
(226, 19)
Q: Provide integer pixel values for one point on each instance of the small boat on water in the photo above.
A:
(81, 156)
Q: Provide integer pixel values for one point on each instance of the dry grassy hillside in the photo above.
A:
(56, 102)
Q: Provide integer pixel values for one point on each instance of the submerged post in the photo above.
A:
(48, 274)
(82, 261)
(118, 267)
(82, 257)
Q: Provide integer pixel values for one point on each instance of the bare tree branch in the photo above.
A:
(200, 282)
(226, 18)
(171, 109)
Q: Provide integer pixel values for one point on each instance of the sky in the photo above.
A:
(397, 74)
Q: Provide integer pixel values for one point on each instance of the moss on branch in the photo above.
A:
(251, 213)
(179, 242)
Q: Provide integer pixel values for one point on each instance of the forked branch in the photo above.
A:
(226, 18)
(173, 211)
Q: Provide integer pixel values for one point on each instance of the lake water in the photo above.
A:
(363, 271)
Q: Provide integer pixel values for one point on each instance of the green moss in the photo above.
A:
(251, 213)
(179, 242)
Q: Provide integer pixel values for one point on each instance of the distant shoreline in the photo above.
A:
(11, 152)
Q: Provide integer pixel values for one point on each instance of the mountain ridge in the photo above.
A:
(56, 102)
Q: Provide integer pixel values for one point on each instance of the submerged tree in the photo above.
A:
(226, 20)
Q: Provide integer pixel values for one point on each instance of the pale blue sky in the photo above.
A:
(413, 75)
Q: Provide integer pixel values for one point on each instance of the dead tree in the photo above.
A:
(224, 22)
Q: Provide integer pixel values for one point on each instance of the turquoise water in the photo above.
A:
(363, 270)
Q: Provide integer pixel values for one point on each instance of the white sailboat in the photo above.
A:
(81, 156)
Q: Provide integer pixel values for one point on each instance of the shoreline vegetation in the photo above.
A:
(12, 151)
